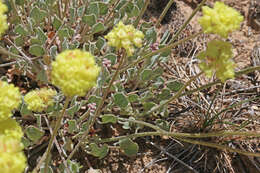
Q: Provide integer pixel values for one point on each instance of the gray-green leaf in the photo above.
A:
(89, 19)
(174, 86)
(120, 100)
(99, 152)
(98, 27)
(34, 133)
(109, 118)
(129, 147)
(36, 50)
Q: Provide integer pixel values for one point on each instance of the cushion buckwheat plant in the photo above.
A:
(74, 72)
(11, 128)
(12, 158)
(125, 36)
(10, 98)
(39, 100)
(216, 58)
(3, 24)
(220, 20)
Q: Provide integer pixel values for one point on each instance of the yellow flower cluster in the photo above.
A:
(74, 72)
(3, 23)
(217, 58)
(10, 98)
(125, 36)
(220, 20)
(11, 128)
(39, 100)
(12, 158)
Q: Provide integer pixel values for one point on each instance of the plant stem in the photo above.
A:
(112, 7)
(177, 95)
(237, 74)
(100, 106)
(142, 123)
(59, 3)
(147, 2)
(187, 21)
(218, 146)
(6, 52)
(170, 46)
(55, 131)
(16, 12)
(182, 135)
(247, 70)
(164, 13)
(83, 117)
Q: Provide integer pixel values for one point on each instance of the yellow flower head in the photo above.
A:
(74, 72)
(11, 128)
(3, 23)
(39, 100)
(12, 158)
(217, 58)
(220, 20)
(125, 36)
(10, 98)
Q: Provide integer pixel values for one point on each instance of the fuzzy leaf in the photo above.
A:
(129, 147)
(19, 41)
(49, 170)
(100, 43)
(128, 8)
(26, 142)
(41, 35)
(165, 94)
(103, 8)
(72, 125)
(109, 118)
(148, 105)
(133, 98)
(36, 50)
(53, 51)
(19, 2)
(72, 15)
(98, 27)
(74, 166)
(56, 23)
(34, 133)
(99, 152)
(80, 11)
(151, 35)
(89, 19)
(135, 12)
(19, 29)
(112, 57)
(42, 76)
(174, 86)
(162, 124)
(120, 100)
(93, 9)
(63, 33)
(146, 74)
(38, 15)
